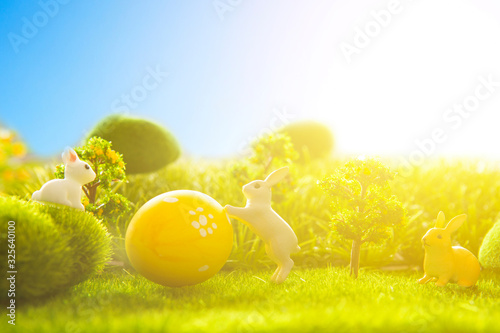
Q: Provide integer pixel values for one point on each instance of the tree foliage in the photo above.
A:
(268, 153)
(364, 209)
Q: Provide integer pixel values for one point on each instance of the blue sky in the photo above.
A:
(229, 78)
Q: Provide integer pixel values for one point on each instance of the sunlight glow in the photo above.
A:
(398, 89)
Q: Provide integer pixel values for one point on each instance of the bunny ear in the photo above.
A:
(441, 220)
(455, 223)
(276, 176)
(69, 156)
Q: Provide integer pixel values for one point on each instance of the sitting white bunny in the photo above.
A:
(279, 238)
(67, 191)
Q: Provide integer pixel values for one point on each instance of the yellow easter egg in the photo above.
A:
(179, 238)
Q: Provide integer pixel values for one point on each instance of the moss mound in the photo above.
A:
(145, 145)
(489, 253)
(55, 248)
(311, 139)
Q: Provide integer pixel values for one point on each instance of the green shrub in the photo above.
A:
(89, 240)
(55, 248)
(43, 257)
(489, 254)
(311, 139)
(145, 145)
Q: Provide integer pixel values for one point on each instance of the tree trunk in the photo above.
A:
(92, 194)
(355, 252)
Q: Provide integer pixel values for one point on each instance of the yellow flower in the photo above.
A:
(121, 164)
(100, 212)
(6, 135)
(18, 149)
(112, 155)
(99, 151)
(23, 174)
(367, 171)
(8, 175)
(3, 156)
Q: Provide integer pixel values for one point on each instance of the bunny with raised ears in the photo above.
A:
(67, 191)
(448, 263)
(280, 240)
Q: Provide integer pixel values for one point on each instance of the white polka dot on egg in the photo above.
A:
(203, 268)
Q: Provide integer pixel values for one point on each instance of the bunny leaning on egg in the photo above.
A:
(448, 263)
(67, 191)
(280, 240)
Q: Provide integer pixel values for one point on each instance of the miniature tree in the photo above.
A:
(364, 209)
(109, 168)
(273, 151)
(268, 152)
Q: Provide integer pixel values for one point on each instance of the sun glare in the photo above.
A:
(402, 73)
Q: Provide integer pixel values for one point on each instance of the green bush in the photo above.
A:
(311, 139)
(89, 240)
(55, 247)
(489, 254)
(145, 145)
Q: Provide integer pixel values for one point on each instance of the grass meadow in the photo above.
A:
(319, 295)
(311, 300)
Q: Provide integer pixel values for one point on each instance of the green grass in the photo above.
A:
(316, 300)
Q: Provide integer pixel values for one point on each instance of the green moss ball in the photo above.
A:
(489, 253)
(310, 138)
(55, 248)
(145, 145)
(89, 239)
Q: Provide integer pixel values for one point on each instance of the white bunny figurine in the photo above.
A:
(279, 238)
(67, 191)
